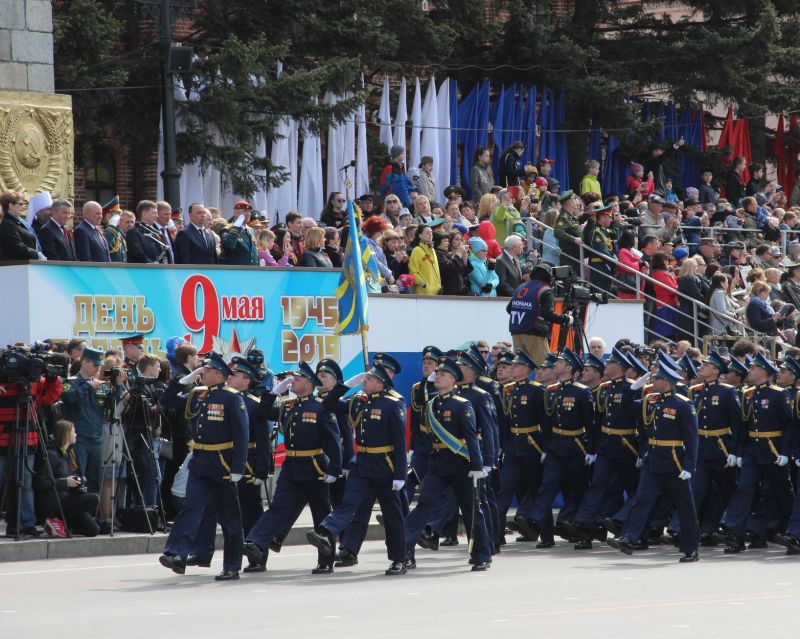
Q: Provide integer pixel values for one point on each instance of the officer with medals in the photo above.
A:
(421, 437)
(667, 465)
(378, 472)
(767, 418)
(719, 413)
(523, 447)
(457, 463)
(791, 539)
(219, 454)
(313, 461)
(617, 409)
(569, 409)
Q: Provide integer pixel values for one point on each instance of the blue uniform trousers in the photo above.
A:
(89, 456)
(794, 521)
(651, 487)
(567, 474)
(712, 489)
(360, 490)
(595, 502)
(430, 499)
(290, 498)
(217, 495)
(355, 532)
(518, 476)
(752, 473)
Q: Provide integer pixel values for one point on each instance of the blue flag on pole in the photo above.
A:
(352, 290)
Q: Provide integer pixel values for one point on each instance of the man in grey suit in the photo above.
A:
(508, 267)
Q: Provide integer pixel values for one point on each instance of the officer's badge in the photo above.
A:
(216, 412)
(670, 413)
(523, 400)
(446, 415)
(617, 399)
(568, 403)
(375, 413)
(765, 403)
(309, 418)
(468, 414)
(65, 387)
(715, 400)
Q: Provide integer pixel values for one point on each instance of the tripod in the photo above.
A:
(26, 413)
(579, 340)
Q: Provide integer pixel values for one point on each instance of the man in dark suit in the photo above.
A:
(90, 243)
(145, 243)
(165, 229)
(195, 244)
(17, 242)
(508, 267)
(53, 235)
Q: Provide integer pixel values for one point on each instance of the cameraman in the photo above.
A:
(44, 392)
(531, 311)
(142, 421)
(78, 505)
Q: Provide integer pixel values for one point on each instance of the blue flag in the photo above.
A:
(352, 290)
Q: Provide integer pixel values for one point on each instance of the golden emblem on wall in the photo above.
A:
(36, 143)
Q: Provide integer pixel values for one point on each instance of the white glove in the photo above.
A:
(345, 472)
(41, 256)
(236, 477)
(731, 461)
(329, 479)
(477, 474)
(590, 459)
(239, 221)
(543, 456)
(282, 386)
(356, 380)
(638, 462)
(782, 460)
(191, 378)
(641, 382)
(432, 377)
(739, 462)
(258, 482)
(397, 484)
(487, 470)
(684, 475)
(570, 320)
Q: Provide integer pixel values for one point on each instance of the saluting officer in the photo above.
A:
(523, 447)
(617, 407)
(219, 453)
(567, 452)
(667, 466)
(457, 463)
(313, 461)
(421, 436)
(719, 415)
(767, 416)
(379, 470)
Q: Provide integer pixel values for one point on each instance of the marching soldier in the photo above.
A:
(457, 464)
(421, 437)
(379, 470)
(767, 416)
(220, 434)
(313, 461)
(791, 540)
(667, 466)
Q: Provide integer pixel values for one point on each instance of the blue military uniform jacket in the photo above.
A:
(457, 416)
(380, 433)
(258, 448)
(421, 436)
(521, 431)
(794, 394)
(220, 430)
(485, 418)
(617, 411)
(767, 414)
(492, 387)
(719, 421)
(332, 401)
(570, 419)
(671, 433)
(84, 407)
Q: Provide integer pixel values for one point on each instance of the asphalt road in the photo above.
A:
(599, 593)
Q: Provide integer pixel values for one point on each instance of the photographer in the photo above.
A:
(78, 505)
(531, 310)
(44, 392)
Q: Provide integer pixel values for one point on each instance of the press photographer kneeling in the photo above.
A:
(77, 504)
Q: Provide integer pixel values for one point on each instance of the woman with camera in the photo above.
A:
(78, 505)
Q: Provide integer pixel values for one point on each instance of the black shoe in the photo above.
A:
(428, 541)
(641, 545)
(323, 569)
(496, 549)
(449, 541)
(253, 553)
(410, 563)
(481, 566)
(379, 519)
(32, 531)
(757, 544)
(194, 560)
(174, 563)
(397, 568)
(653, 536)
(612, 525)
(528, 528)
(671, 539)
(502, 541)
(525, 538)
(344, 559)
(320, 541)
(689, 557)
(623, 544)
(707, 540)
(790, 542)
(585, 544)
(227, 575)
(276, 544)
(564, 530)
(545, 544)
(255, 568)
(734, 546)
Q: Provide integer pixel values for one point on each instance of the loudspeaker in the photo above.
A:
(179, 59)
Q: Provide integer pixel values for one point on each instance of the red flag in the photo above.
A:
(788, 179)
(780, 150)
(725, 137)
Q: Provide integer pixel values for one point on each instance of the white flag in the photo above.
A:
(362, 157)
(442, 165)
(401, 117)
(416, 127)
(334, 151)
(430, 123)
(311, 199)
(385, 116)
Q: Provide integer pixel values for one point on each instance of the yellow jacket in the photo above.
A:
(424, 266)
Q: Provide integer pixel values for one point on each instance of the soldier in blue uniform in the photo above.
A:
(457, 463)
(668, 464)
(378, 472)
(765, 450)
(313, 461)
(791, 539)
(219, 454)
(719, 424)
(421, 437)
(567, 455)
(522, 441)
(617, 408)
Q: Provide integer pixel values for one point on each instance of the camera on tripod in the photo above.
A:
(29, 363)
(113, 376)
(574, 290)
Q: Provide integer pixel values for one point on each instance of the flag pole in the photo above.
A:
(348, 184)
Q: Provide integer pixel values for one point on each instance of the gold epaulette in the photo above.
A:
(579, 385)
(683, 397)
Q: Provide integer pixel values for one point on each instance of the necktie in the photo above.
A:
(205, 239)
(168, 240)
(101, 237)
